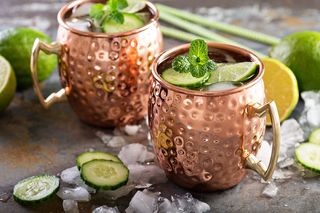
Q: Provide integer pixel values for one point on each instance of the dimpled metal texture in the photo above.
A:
(200, 139)
(107, 77)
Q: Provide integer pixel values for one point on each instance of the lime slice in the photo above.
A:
(233, 72)
(315, 136)
(280, 86)
(7, 83)
(184, 79)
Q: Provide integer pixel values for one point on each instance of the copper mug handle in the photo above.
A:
(53, 48)
(251, 161)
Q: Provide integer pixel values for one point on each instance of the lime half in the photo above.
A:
(232, 72)
(7, 83)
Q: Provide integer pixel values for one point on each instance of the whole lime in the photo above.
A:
(16, 46)
(301, 53)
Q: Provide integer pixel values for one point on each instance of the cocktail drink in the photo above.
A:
(207, 111)
(105, 51)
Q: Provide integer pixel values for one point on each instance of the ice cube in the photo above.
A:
(264, 152)
(70, 175)
(106, 209)
(115, 194)
(270, 190)
(70, 206)
(186, 203)
(281, 174)
(117, 141)
(291, 134)
(132, 129)
(310, 98)
(79, 24)
(82, 10)
(142, 174)
(78, 194)
(134, 153)
(313, 116)
(105, 138)
(286, 163)
(80, 182)
(165, 206)
(144, 202)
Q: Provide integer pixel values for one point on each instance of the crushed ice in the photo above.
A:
(131, 129)
(148, 202)
(140, 174)
(106, 209)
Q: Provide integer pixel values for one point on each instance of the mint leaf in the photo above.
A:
(122, 4)
(197, 62)
(113, 4)
(96, 11)
(198, 52)
(134, 6)
(181, 64)
(116, 16)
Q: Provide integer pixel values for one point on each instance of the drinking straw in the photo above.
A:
(193, 28)
(228, 28)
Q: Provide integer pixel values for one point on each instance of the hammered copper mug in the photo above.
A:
(105, 77)
(205, 140)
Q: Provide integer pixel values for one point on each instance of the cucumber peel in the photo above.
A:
(89, 156)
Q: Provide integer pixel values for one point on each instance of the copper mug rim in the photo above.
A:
(66, 8)
(184, 48)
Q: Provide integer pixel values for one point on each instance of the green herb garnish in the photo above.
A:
(197, 62)
(114, 10)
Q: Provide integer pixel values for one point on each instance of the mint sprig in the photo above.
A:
(114, 10)
(197, 62)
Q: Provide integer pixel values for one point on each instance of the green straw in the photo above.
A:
(193, 28)
(228, 28)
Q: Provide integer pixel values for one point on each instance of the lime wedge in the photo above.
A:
(232, 72)
(7, 83)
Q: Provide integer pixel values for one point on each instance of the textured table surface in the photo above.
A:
(34, 140)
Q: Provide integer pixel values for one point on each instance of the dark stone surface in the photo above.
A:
(34, 140)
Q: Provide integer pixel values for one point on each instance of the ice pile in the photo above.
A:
(106, 209)
(148, 202)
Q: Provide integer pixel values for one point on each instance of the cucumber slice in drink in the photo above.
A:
(184, 79)
(315, 136)
(89, 156)
(104, 174)
(308, 155)
(35, 189)
(131, 22)
(233, 72)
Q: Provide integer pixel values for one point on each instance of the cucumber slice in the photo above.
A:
(308, 155)
(131, 22)
(315, 136)
(184, 79)
(35, 189)
(89, 156)
(233, 72)
(104, 174)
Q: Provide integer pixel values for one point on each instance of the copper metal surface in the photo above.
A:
(202, 139)
(105, 76)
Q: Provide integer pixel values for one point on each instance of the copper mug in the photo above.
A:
(205, 140)
(105, 77)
